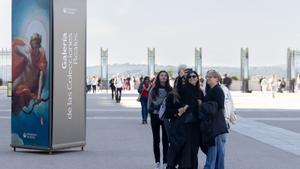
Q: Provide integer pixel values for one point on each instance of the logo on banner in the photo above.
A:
(31, 136)
(70, 11)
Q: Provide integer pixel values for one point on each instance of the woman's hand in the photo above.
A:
(181, 73)
(199, 101)
(186, 107)
(181, 111)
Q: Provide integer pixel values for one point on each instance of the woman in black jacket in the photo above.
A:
(216, 151)
(176, 132)
(187, 140)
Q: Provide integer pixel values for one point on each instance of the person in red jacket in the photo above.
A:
(144, 92)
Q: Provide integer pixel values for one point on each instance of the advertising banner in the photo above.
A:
(69, 69)
(30, 72)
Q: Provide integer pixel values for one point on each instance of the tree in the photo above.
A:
(234, 78)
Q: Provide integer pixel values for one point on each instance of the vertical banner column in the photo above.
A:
(245, 69)
(293, 68)
(198, 61)
(151, 62)
(290, 70)
(69, 73)
(1, 67)
(104, 68)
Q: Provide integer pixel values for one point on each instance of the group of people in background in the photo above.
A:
(298, 83)
(118, 83)
(276, 84)
(116, 86)
(92, 84)
(191, 116)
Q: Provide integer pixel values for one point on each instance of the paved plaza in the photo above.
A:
(267, 136)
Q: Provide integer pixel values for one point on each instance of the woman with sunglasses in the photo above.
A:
(157, 95)
(216, 150)
(191, 96)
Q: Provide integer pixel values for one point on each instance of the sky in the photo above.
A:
(176, 27)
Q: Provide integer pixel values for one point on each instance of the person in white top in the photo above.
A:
(119, 86)
(94, 84)
(229, 110)
(264, 84)
(298, 83)
(273, 85)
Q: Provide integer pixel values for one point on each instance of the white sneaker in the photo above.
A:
(157, 166)
(165, 166)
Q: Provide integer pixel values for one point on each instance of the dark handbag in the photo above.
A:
(189, 117)
(177, 133)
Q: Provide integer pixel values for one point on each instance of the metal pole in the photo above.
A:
(5, 66)
(245, 69)
(288, 74)
(198, 61)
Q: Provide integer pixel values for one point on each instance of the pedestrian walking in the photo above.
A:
(99, 83)
(227, 81)
(274, 85)
(112, 87)
(94, 84)
(89, 84)
(264, 84)
(157, 95)
(298, 83)
(144, 94)
(119, 86)
(282, 85)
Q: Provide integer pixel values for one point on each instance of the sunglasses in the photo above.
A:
(193, 76)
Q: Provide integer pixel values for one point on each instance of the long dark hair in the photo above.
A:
(157, 85)
(176, 95)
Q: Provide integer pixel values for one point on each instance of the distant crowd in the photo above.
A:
(277, 84)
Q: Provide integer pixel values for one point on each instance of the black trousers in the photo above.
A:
(89, 88)
(156, 125)
(94, 88)
(118, 94)
(113, 90)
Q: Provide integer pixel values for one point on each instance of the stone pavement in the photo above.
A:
(263, 138)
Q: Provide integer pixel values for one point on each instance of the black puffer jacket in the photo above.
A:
(216, 122)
